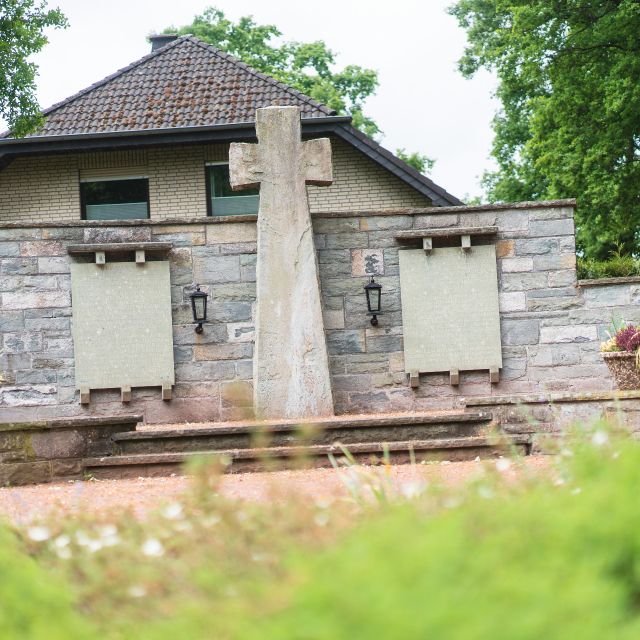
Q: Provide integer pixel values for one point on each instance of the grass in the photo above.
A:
(556, 556)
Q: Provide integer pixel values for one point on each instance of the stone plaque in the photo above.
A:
(450, 309)
(122, 329)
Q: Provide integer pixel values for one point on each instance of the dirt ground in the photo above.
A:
(21, 505)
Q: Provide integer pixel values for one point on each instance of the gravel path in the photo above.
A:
(25, 504)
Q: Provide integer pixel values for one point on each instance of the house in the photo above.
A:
(117, 216)
(151, 141)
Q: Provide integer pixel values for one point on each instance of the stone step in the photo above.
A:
(270, 458)
(344, 429)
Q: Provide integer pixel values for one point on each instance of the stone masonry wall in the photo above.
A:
(47, 188)
(551, 328)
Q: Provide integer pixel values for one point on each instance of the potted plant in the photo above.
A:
(622, 356)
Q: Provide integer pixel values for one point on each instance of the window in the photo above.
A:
(118, 198)
(222, 201)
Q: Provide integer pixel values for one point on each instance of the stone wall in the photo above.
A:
(551, 327)
(47, 188)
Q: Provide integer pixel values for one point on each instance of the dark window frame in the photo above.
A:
(209, 195)
(83, 204)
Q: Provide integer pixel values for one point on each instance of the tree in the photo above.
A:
(569, 125)
(22, 25)
(418, 161)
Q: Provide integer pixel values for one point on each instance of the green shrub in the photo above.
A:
(618, 266)
(544, 561)
(34, 604)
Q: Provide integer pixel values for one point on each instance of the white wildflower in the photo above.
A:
(153, 548)
(82, 538)
(108, 531)
(412, 490)
(321, 519)
(172, 511)
(62, 541)
(599, 438)
(39, 534)
(94, 545)
(136, 591)
(503, 464)
(64, 553)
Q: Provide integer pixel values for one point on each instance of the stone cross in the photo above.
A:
(290, 363)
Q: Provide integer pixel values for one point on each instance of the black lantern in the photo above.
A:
(199, 307)
(373, 291)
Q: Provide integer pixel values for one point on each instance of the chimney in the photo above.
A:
(159, 40)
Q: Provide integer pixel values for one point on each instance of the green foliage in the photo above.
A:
(617, 265)
(22, 25)
(33, 604)
(536, 561)
(570, 120)
(306, 66)
(418, 161)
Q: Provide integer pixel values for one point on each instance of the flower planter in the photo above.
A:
(622, 365)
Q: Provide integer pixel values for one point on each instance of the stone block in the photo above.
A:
(564, 278)
(22, 342)
(42, 248)
(238, 393)
(384, 343)
(342, 286)
(240, 332)
(343, 342)
(335, 269)
(37, 299)
(18, 266)
(214, 269)
(8, 249)
(205, 370)
(333, 318)
(536, 246)
(396, 361)
(357, 363)
(74, 234)
(53, 265)
(435, 221)
(336, 225)
(28, 395)
(186, 335)
(523, 281)
(570, 333)
(551, 228)
(555, 261)
(97, 235)
(553, 303)
(505, 248)
(607, 296)
(180, 239)
(232, 311)
(351, 383)
(513, 301)
(513, 221)
(337, 365)
(46, 362)
(519, 332)
(223, 351)
(244, 369)
(234, 291)
(248, 268)
(367, 262)
(516, 265)
(355, 240)
(238, 248)
(11, 321)
(384, 223)
(231, 232)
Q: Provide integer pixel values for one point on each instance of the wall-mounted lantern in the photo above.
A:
(199, 308)
(373, 291)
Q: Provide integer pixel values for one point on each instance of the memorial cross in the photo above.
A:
(290, 362)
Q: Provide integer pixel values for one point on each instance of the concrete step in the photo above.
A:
(270, 458)
(345, 429)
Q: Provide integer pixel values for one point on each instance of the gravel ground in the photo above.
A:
(25, 504)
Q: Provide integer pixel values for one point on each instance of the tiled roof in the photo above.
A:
(186, 83)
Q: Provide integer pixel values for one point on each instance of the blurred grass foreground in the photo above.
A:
(553, 555)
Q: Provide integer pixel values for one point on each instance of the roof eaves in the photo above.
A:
(395, 165)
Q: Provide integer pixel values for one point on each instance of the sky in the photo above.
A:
(423, 103)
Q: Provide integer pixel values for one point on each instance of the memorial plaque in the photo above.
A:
(122, 329)
(450, 312)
